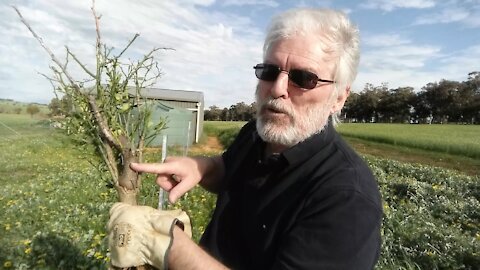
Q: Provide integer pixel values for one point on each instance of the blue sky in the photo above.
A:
(404, 42)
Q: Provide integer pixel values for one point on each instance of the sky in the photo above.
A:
(215, 44)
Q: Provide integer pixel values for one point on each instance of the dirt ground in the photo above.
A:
(210, 146)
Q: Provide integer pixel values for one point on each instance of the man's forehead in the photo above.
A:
(299, 59)
(306, 48)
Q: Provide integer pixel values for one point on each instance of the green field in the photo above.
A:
(463, 140)
(15, 107)
(54, 206)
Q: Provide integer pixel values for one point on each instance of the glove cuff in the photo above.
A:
(167, 251)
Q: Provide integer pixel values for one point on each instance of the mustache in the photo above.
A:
(276, 105)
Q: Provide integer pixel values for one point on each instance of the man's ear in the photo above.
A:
(341, 98)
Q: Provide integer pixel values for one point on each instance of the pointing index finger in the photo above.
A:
(157, 168)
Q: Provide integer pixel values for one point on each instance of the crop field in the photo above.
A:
(54, 206)
(463, 140)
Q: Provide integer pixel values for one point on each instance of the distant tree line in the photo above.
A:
(237, 112)
(10, 106)
(439, 102)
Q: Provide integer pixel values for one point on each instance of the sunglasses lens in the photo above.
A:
(267, 72)
(304, 79)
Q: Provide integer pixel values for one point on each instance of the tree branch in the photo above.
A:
(128, 45)
(103, 125)
(50, 53)
(79, 63)
(97, 25)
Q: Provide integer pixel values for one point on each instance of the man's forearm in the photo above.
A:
(213, 172)
(187, 255)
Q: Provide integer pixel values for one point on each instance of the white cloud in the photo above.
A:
(396, 60)
(390, 5)
(473, 21)
(399, 57)
(197, 2)
(384, 40)
(213, 52)
(267, 3)
(445, 16)
(406, 65)
(458, 64)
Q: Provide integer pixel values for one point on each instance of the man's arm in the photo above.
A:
(178, 175)
(187, 255)
(213, 173)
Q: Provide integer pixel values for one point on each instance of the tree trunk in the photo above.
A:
(128, 181)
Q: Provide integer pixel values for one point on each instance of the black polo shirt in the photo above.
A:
(314, 206)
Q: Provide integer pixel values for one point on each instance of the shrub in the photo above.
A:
(431, 217)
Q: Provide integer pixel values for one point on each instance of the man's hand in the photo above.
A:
(140, 235)
(177, 175)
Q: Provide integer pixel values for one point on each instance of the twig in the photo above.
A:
(97, 25)
(79, 63)
(128, 45)
(40, 40)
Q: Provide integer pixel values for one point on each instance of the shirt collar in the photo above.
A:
(303, 150)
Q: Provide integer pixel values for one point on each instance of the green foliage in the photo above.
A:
(60, 107)
(431, 217)
(32, 109)
(438, 102)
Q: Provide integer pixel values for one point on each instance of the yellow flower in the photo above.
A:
(28, 250)
(7, 264)
(11, 202)
(98, 255)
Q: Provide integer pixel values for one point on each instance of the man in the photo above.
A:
(291, 192)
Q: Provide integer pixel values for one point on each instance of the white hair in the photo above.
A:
(337, 36)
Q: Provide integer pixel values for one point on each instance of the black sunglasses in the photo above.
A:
(302, 78)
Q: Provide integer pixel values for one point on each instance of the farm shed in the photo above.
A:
(183, 111)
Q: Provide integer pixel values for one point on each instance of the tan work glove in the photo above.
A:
(140, 235)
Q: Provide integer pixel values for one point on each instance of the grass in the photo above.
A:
(54, 201)
(213, 127)
(469, 166)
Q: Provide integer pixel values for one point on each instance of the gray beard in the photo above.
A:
(301, 126)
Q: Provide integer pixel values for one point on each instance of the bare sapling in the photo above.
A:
(107, 109)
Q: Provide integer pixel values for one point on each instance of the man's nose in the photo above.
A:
(280, 86)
